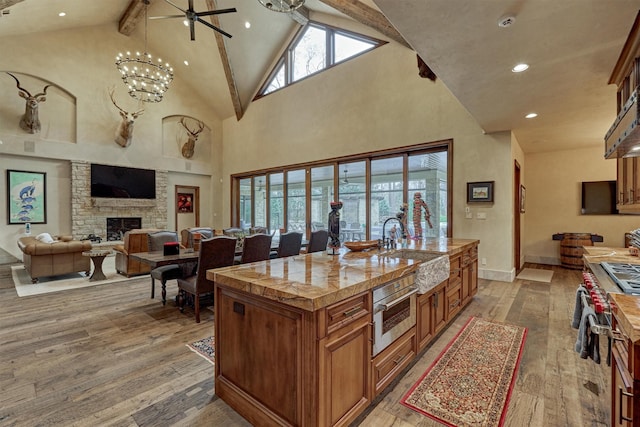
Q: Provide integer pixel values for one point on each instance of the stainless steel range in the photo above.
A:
(626, 276)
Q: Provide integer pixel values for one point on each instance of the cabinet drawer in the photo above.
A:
(453, 300)
(347, 311)
(455, 268)
(393, 359)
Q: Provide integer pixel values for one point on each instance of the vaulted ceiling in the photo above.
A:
(571, 47)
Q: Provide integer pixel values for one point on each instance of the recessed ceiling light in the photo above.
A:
(520, 68)
(62, 14)
(247, 24)
(186, 62)
(531, 115)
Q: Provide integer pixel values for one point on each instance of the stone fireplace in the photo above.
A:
(90, 215)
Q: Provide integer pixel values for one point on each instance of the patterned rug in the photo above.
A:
(204, 348)
(470, 383)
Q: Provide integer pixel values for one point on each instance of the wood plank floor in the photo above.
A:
(111, 356)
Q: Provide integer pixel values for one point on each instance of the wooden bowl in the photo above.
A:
(361, 246)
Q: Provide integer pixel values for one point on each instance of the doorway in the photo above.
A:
(517, 216)
(187, 209)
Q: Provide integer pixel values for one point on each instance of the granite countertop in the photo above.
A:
(314, 281)
(626, 308)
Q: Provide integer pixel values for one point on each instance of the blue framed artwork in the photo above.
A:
(26, 197)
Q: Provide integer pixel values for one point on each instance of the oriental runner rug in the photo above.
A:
(204, 348)
(470, 383)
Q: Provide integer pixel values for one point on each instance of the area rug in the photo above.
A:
(535, 274)
(470, 383)
(65, 282)
(204, 348)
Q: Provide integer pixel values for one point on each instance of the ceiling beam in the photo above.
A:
(133, 14)
(8, 3)
(226, 64)
(368, 16)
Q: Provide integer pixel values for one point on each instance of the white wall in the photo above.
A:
(554, 200)
(375, 102)
(80, 62)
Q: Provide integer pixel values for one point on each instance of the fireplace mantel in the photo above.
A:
(116, 203)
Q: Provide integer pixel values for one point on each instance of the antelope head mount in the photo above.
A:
(189, 146)
(30, 121)
(124, 132)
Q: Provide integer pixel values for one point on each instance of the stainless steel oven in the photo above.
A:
(394, 311)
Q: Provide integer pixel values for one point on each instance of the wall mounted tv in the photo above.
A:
(599, 198)
(122, 183)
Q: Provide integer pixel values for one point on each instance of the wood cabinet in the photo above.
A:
(469, 274)
(392, 360)
(625, 380)
(430, 316)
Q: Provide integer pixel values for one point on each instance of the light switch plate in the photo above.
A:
(481, 215)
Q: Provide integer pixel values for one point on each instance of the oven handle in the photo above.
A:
(385, 307)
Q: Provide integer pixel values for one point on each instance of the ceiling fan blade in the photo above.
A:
(216, 12)
(177, 7)
(192, 30)
(190, 5)
(215, 28)
(166, 16)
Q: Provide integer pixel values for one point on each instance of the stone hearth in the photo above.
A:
(89, 215)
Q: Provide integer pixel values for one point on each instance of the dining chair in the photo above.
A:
(318, 241)
(255, 248)
(290, 244)
(155, 242)
(216, 252)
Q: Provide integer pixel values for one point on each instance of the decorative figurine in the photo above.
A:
(402, 217)
(334, 226)
(418, 204)
(393, 236)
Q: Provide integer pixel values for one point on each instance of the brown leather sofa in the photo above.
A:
(52, 259)
(134, 241)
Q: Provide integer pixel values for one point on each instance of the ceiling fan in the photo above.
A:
(192, 16)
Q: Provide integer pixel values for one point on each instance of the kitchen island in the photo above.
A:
(625, 328)
(293, 336)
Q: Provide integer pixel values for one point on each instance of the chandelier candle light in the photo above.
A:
(282, 5)
(145, 80)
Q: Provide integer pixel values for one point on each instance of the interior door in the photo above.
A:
(517, 217)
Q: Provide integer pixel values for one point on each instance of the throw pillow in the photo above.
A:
(45, 238)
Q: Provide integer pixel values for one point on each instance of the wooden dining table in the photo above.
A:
(157, 259)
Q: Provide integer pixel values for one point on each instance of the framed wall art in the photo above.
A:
(185, 203)
(480, 192)
(26, 197)
(522, 198)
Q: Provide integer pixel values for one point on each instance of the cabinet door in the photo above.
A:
(439, 309)
(620, 184)
(465, 291)
(621, 391)
(629, 180)
(473, 274)
(344, 374)
(453, 299)
(425, 318)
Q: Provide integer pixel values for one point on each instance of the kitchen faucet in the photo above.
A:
(385, 241)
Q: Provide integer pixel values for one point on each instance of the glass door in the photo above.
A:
(353, 193)
(387, 187)
(296, 201)
(321, 196)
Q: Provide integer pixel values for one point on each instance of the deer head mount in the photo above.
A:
(124, 132)
(30, 121)
(189, 146)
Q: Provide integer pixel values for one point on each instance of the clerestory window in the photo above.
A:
(316, 48)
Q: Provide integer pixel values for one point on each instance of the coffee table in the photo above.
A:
(97, 256)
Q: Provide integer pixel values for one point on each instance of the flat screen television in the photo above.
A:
(599, 198)
(122, 183)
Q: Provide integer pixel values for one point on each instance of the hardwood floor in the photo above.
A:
(110, 355)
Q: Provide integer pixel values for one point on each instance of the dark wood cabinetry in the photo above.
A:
(625, 375)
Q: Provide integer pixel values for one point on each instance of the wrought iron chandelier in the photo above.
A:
(146, 81)
(282, 5)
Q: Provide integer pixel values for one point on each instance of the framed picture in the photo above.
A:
(480, 191)
(185, 203)
(26, 197)
(522, 197)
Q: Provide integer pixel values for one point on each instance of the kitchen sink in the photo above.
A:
(433, 270)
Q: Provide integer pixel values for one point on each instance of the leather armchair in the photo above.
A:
(186, 235)
(134, 241)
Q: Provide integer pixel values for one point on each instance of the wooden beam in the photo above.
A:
(226, 64)
(8, 3)
(131, 17)
(368, 16)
